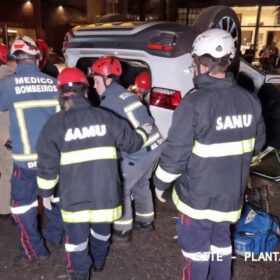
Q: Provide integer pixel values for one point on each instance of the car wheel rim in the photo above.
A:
(229, 25)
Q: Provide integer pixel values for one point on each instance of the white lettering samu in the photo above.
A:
(232, 122)
(85, 132)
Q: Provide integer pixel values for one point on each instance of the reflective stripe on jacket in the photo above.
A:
(30, 96)
(214, 133)
(127, 106)
(79, 149)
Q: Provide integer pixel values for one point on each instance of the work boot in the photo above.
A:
(144, 226)
(74, 276)
(52, 245)
(123, 236)
(98, 268)
(20, 261)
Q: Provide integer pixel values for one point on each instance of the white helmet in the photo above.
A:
(215, 42)
(26, 45)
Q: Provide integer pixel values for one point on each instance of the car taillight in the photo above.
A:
(163, 42)
(165, 98)
(159, 47)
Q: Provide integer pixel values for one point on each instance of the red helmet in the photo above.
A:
(44, 49)
(71, 75)
(143, 81)
(106, 66)
(3, 53)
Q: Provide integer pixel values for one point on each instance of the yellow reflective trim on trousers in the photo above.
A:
(99, 236)
(92, 216)
(88, 155)
(130, 115)
(208, 214)
(17, 210)
(19, 109)
(123, 222)
(76, 247)
(223, 251)
(205, 256)
(152, 139)
(151, 214)
(197, 256)
(143, 134)
(165, 176)
(224, 149)
(21, 157)
(44, 184)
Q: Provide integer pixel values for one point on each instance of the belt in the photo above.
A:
(154, 145)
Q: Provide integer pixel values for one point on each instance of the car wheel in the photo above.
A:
(221, 17)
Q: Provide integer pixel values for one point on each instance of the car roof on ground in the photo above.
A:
(135, 36)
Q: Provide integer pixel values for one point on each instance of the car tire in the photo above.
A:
(224, 18)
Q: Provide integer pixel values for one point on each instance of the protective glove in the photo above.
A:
(147, 127)
(159, 194)
(256, 160)
(47, 202)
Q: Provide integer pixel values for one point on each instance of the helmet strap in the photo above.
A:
(104, 81)
(197, 62)
(212, 67)
(68, 94)
(105, 78)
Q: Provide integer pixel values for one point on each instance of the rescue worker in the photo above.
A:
(30, 97)
(78, 146)
(215, 131)
(44, 63)
(142, 85)
(137, 167)
(7, 68)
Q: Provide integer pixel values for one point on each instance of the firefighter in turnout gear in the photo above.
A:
(137, 167)
(31, 98)
(79, 148)
(215, 131)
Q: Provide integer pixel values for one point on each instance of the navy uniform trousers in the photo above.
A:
(137, 170)
(206, 247)
(86, 244)
(24, 207)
